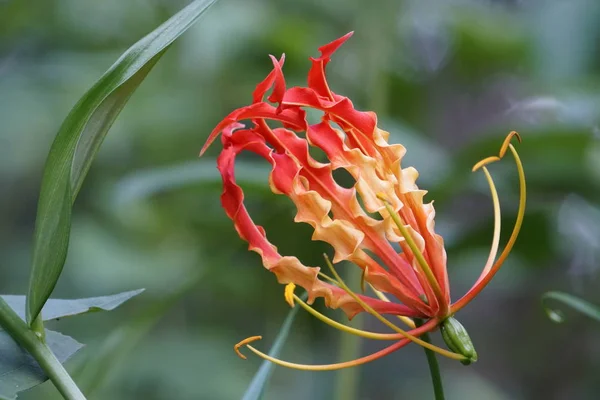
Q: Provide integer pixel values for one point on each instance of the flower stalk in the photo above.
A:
(434, 367)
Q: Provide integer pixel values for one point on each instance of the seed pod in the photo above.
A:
(457, 339)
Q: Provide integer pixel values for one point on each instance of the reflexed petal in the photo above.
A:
(292, 118)
(286, 269)
(354, 221)
(316, 75)
(264, 86)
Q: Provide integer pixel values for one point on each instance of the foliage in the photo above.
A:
(30, 355)
(580, 305)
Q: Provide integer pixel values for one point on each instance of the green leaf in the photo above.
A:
(143, 184)
(19, 371)
(259, 383)
(77, 142)
(575, 303)
(59, 308)
(101, 361)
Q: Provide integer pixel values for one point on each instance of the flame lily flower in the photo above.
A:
(383, 208)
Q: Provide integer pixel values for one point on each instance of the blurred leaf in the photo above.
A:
(565, 35)
(19, 371)
(578, 224)
(426, 155)
(101, 361)
(259, 383)
(143, 184)
(535, 240)
(551, 156)
(572, 108)
(77, 142)
(58, 308)
(486, 41)
(575, 303)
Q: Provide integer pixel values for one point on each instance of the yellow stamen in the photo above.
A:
(402, 318)
(326, 367)
(485, 279)
(345, 328)
(374, 313)
(485, 161)
(328, 278)
(520, 212)
(415, 250)
(289, 294)
(497, 225)
(362, 279)
(506, 144)
(245, 343)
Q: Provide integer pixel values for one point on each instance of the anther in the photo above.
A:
(507, 140)
(289, 293)
(505, 146)
(484, 162)
(243, 343)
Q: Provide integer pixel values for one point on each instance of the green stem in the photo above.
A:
(434, 368)
(37, 326)
(27, 339)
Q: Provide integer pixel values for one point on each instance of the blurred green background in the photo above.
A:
(448, 79)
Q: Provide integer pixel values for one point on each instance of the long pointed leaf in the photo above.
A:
(60, 308)
(77, 142)
(575, 303)
(259, 383)
(145, 183)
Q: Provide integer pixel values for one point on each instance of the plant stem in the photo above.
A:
(37, 326)
(26, 338)
(434, 368)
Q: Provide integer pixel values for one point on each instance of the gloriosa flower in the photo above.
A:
(367, 224)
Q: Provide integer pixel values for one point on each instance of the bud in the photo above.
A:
(457, 339)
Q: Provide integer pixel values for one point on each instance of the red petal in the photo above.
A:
(358, 125)
(265, 85)
(316, 75)
(279, 88)
(293, 118)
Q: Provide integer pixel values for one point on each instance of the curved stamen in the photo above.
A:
(365, 270)
(497, 225)
(415, 250)
(328, 278)
(482, 282)
(362, 279)
(327, 367)
(345, 328)
(431, 323)
(402, 318)
(245, 342)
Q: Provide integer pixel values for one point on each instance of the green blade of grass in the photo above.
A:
(573, 302)
(257, 387)
(77, 142)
